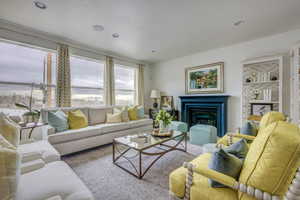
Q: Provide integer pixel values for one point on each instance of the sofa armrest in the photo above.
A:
(47, 130)
(212, 174)
(30, 156)
(32, 166)
(224, 179)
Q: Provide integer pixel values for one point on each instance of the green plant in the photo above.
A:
(164, 117)
(31, 112)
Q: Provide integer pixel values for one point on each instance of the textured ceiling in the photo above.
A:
(173, 28)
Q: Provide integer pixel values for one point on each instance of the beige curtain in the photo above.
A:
(109, 86)
(140, 86)
(63, 79)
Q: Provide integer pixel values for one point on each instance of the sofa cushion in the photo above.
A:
(200, 188)
(30, 166)
(140, 112)
(98, 115)
(74, 134)
(77, 119)
(9, 169)
(140, 122)
(44, 148)
(56, 178)
(275, 150)
(113, 127)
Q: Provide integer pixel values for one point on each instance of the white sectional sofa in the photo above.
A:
(96, 134)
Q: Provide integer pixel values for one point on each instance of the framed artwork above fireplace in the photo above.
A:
(205, 78)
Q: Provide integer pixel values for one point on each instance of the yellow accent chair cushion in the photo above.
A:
(271, 117)
(272, 159)
(77, 119)
(133, 113)
(269, 166)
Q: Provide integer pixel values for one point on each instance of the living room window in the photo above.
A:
(25, 68)
(87, 80)
(125, 84)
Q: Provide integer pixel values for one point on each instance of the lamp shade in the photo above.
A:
(155, 94)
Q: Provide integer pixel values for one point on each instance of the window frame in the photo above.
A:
(87, 87)
(30, 84)
(128, 66)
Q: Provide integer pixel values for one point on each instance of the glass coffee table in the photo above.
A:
(143, 145)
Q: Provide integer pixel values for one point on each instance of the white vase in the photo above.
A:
(163, 128)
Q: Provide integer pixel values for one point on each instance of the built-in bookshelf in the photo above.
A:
(262, 85)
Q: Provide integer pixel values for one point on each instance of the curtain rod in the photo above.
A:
(57, 42)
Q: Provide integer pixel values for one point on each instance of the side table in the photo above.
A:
(30, 127)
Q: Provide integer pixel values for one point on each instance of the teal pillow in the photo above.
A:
(248, 129)
(239, 149)
(224, 163)
(58, 120)
(140, 112)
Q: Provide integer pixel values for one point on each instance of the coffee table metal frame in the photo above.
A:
(139, 173)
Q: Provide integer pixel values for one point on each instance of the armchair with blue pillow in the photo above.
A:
(249, 131)
(268, 169)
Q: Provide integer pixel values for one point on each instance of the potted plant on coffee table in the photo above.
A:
(164, 119)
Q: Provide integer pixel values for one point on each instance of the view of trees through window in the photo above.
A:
(25, 69)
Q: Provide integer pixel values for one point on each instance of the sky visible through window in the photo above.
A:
(26, 65)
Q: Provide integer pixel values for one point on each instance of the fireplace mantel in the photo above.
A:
(190, 103)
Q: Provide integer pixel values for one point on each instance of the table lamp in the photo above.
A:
(155, 94)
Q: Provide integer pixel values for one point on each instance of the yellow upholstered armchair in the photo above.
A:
(267, 119)
(269, 171)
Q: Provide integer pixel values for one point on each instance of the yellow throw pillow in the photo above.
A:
(132, 113)
(114, 118)
(77, 119)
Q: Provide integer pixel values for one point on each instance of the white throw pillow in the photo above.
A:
(9, 130)
(124, 113)
(113, 118)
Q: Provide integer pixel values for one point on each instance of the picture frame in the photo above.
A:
(167, 103)
(205, 79)
(260, 109)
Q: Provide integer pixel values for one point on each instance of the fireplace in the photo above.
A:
(205, 109)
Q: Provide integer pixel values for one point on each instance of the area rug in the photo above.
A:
(109, 182)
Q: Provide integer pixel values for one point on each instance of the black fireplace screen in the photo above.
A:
(203, 116)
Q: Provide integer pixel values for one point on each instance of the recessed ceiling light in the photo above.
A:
(238, 22)
(40, 5)
(116, 35)
(98, 28)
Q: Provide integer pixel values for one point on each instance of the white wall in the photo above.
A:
(169, 76)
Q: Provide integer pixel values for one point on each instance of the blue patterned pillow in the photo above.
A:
(239, 149)
(248, 129)
(58, 120)
(140, 112)
(224, 163)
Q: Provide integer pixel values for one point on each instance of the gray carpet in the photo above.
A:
(109, 182)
